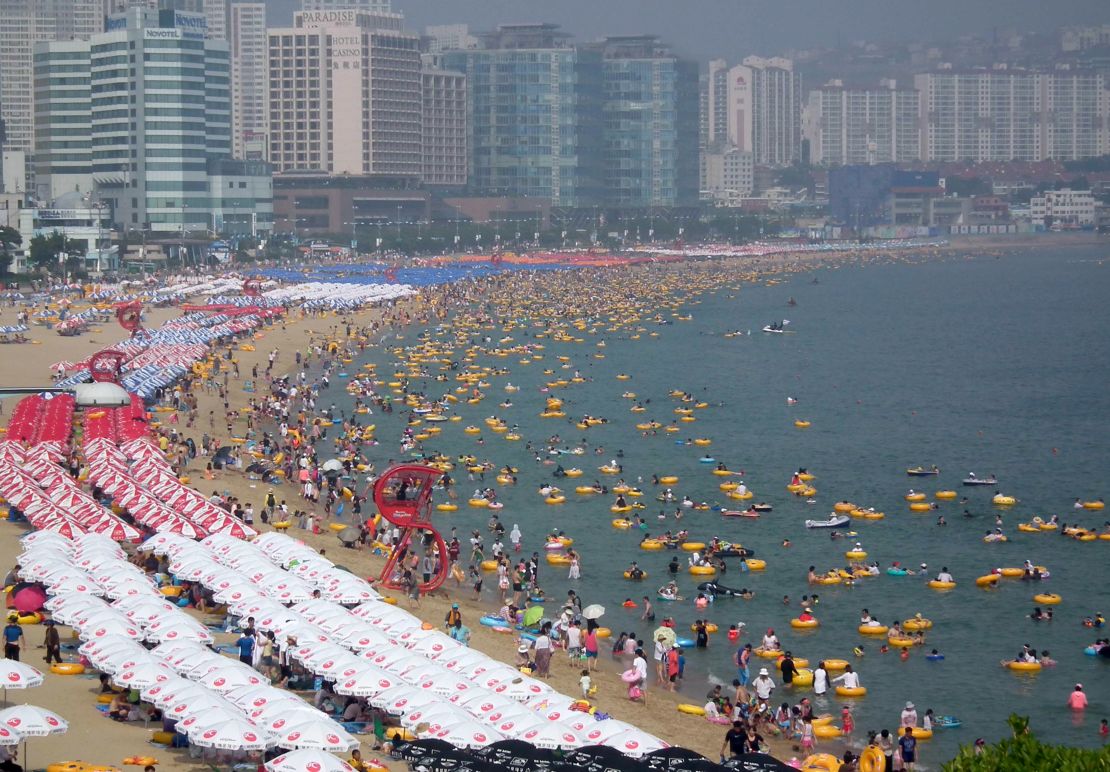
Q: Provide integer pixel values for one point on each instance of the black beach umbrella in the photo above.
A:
(598, 758)
(758, 762)
(674, 759)
(516, 756)
(418, 749)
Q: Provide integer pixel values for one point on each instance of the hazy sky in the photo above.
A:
(704, 29)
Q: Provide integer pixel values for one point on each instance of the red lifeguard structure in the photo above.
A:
(130, 316)
(403, 495)
(107, 366)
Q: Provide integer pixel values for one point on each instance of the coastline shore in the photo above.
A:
(94, 740)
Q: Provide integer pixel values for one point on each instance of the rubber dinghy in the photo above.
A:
(834, 521)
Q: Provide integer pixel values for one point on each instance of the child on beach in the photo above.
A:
(587, 685)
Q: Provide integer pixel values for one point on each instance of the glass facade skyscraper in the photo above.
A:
(534, 106)
(651, 125)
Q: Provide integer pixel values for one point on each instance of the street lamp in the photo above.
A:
(95, 394)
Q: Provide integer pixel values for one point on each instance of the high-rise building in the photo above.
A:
(650, 134)
(159, 112)
(249, 79)
(756, 106)
(716, 106)
(775, 96)
(449, 37)
(1004, 114)
(366, 6)
(865, 125)
(534, 111)
(443, 126)
(63, 119)
(22, 24)
(345, 95)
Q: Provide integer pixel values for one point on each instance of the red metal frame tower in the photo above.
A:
(403, 495)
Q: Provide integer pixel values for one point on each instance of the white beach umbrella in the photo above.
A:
(214, 717)
(635, 742)
(178, 632)
(232, 735)
(549, 734)
(597, 732)
(250, 697)
(277, 716)
(521, 689)
(121, 627)
(197, 704)
(225, 679)
(17, 675)
(308, 760)
(320, 735)
(435, 645)
(366, 681)
(144, 674)
(401, 699)
(31, 721)
(469, 734)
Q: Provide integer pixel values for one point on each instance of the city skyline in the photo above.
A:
(763, 27)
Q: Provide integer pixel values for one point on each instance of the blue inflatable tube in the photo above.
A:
(493, 622)
(686, 643)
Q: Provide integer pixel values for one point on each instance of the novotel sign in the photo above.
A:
(161, 34)
(190, 21)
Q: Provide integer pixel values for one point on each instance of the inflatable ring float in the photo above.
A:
(821, 762)
(873, 629)
(804, 624)
(936, 584)
(702, 570)
(692, 710)
(1047, 599)
(872, 760)
(67, 668)
(851, 691)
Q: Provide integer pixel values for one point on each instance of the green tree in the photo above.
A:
(1025, 753)
(45, 251)
(9, 237)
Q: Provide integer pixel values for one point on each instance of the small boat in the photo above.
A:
(791, 302)
(973, 480)
(834, 521)
(775, 330)
(761, 507)
(739, 513)
(920, 471)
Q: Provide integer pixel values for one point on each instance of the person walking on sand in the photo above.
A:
(13, 638)
(53, 643)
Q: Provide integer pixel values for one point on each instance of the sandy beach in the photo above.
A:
(97, 740)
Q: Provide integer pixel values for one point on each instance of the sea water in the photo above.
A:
(995, 364)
